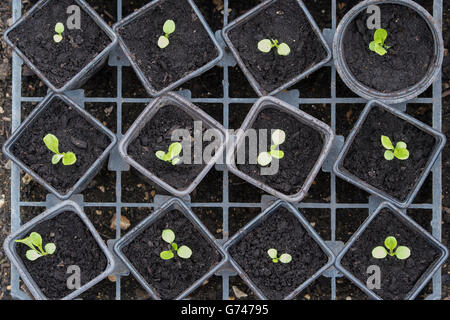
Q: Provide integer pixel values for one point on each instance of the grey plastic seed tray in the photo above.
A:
(294, 97)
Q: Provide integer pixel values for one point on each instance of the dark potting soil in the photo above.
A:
(283, 232)
(285, 22)
(170, 278)
(157, 135)
(75, 245)
(398, 277)
(59, 62)
(190, 46)
(365, 157)
(302, 147)
(406, 62)
(74, 133)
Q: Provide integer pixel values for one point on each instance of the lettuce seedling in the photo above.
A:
(59, 29)
(401, 253)
(183, 251)
(266, 46)
(378, 45)
(400, 152)
(172, 155)
(52, 143)
(168, 28)
(278, 138)
(284, 258)
(34, 241)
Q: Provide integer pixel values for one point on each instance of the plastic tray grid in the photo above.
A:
(225, 101)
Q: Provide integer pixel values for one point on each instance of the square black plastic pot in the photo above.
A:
(197, 114)
(251, 78)
(369, 93)
(272, 210)
(172, 204)
(409, 224)
(344, 174)
(10, 248)
(147, 82)
(85, 73)
(270, 102)
(88, 175)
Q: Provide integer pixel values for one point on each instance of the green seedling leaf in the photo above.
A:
(273, 253)
(265, 45)
(168, 235)
(166, 255)
(175, 149)
(380, 36)
(50, 248)
(176, 161)
(402, 252)
(285, 258)
(401, 154)
(163, 42)
(380, 50)
(390, 243)
(379, 252)
(389, 155)
(278, 154)
(52, 143)
(57, 38)
(174, 246)
(372, 46)
(33, 255)
(184, 252)
(26, 241)
(278, 137)
(400, 145)
(59, 28)
(169, 27)
(283, 49)
(56, 158)
(36, 239)
(160, 155)
(69, 158)
(387, 143)
(264, 158)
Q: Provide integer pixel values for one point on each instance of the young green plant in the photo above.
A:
(59, 29)
(284, 258)
(52, 143)
(168, 28)
(399, 151)
(34, 241)
(278, 138)
(171, 155)
(390, 243)
(266, 46)
(378, 45)
(183, 251)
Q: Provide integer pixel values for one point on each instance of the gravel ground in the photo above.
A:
(5, 120)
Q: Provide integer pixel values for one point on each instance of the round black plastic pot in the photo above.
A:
(247, 17)
(10, 247)
(367, 185)
(173, 204)
(184, 106)
(88, 70)
(89, 174)
(147, 81)
(262, 104)
(412, 228)
(397, 96)
(268, 214)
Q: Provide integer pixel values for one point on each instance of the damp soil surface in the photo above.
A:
(408, 59)
(59, 62)
(170, 278)
(365, 157)
(74, 133)
(190, 45)
(157, 135)
(301, 148)
(75, 245)
(283, 232)
(286, 22)
(398, 277)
